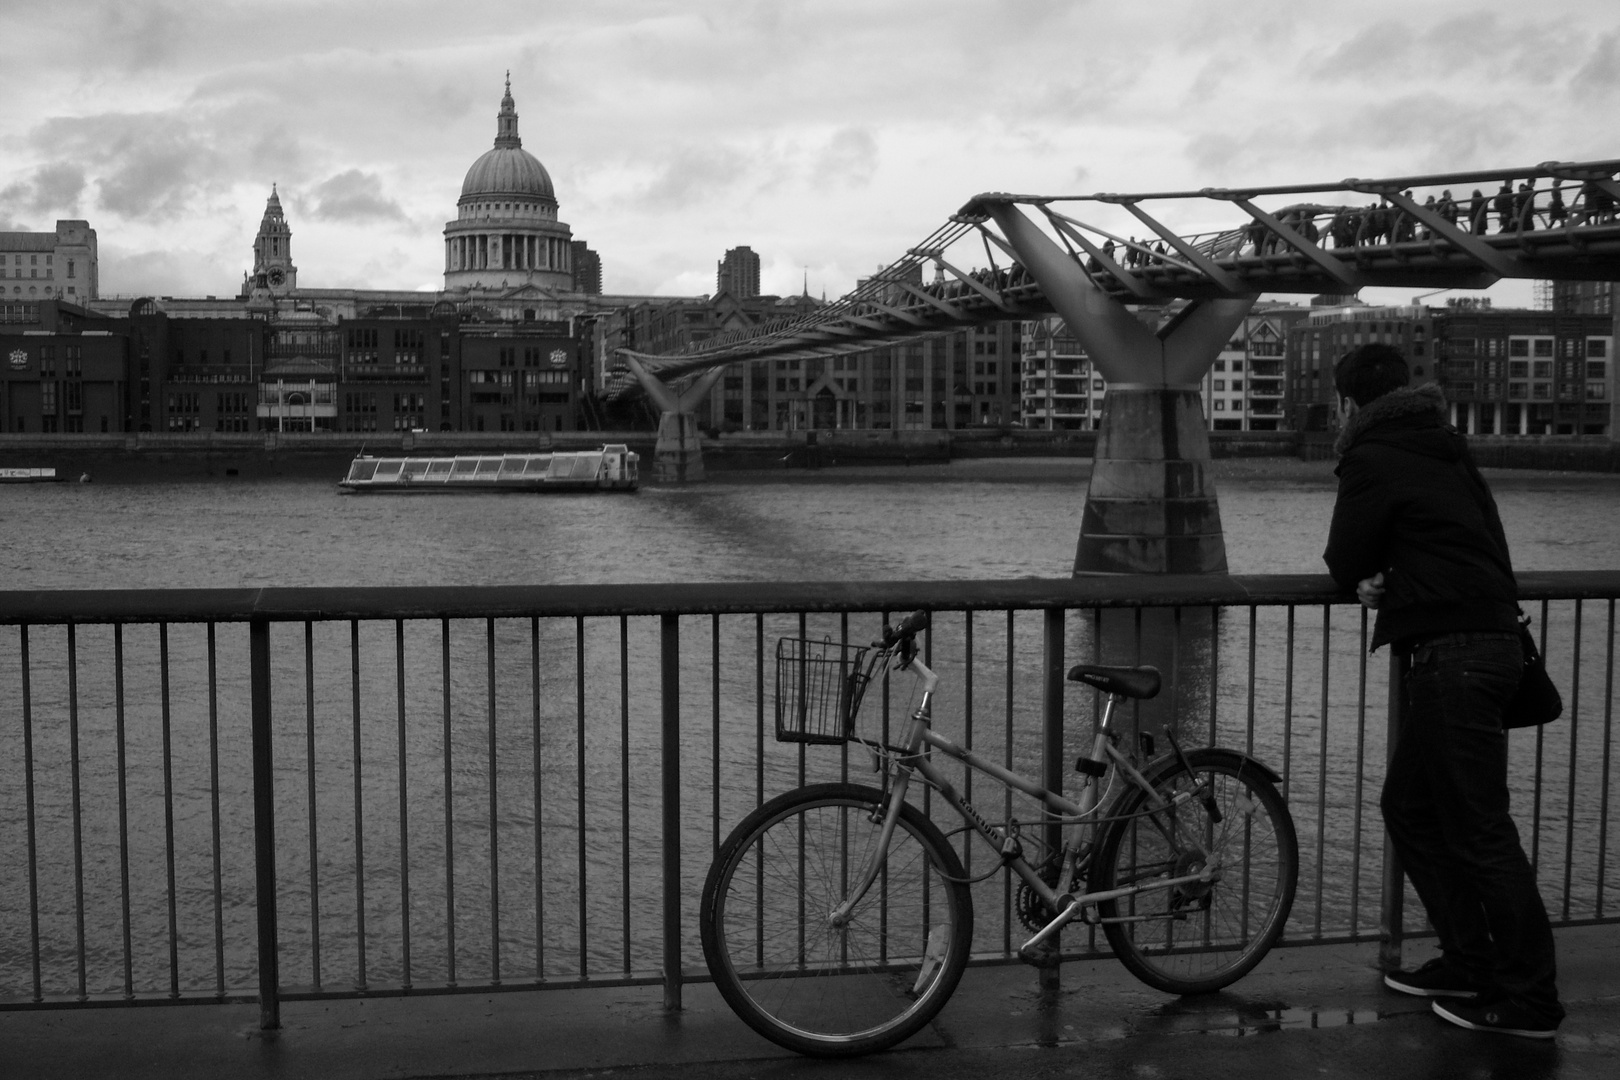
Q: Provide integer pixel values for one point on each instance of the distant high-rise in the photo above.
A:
(587, 269)
(739, 273)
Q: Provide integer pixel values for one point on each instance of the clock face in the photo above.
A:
(558, 358)
(18, 359)
(277, 277)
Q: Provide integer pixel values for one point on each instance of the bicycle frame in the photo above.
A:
(921, 740)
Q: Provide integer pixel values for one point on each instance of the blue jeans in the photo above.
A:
(1445, 805)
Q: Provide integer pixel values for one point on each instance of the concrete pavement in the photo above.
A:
(1319, 1012)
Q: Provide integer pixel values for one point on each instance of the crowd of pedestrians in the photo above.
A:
(1514, 209)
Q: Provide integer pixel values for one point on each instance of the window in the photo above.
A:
(1220, 365)
(1543, 346)
(1519, 347)
(1543, 369)
(1516, 390)
(1237, 385)
(1597, 369)
(1220, 406)
(1519, 369)
(1597, 347)
(1597, 390)
(1220, 384)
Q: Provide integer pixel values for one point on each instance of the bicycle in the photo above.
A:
(837, 919)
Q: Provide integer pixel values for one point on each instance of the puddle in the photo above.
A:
(1266, 1021)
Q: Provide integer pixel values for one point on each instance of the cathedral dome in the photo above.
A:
(507, 168)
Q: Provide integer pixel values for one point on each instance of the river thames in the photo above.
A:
(968, 519)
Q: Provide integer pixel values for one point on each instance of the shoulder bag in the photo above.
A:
(1537, 700)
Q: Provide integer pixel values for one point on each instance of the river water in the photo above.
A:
(968, 519)
(574, 870)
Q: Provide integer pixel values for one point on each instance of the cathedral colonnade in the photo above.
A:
(506, 251)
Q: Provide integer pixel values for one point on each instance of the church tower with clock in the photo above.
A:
(273, 268)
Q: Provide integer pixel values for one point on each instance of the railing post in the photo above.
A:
(1393, 900)
(1052, 759)
(670, 663)
(264, 824)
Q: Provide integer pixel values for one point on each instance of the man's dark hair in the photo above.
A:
(1368, 372)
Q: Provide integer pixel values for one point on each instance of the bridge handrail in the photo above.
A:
(297, 604)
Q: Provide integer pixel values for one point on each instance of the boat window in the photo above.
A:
(489, 466)
(466, 466)
(440, 467)
(362, 470)
(417, 467)
(512, 466)
(538, 465)
(587, 466)
(387, 470)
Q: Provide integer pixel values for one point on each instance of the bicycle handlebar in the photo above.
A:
(909, 627)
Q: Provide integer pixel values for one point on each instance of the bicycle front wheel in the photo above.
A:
(1202, 935)
(777, 955)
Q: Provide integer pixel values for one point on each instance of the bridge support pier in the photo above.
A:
(678, 453)
(1152, 506)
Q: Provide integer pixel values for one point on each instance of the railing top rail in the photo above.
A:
(717, 598)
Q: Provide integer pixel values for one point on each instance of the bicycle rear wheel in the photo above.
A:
(1201, 936)
(832, 990)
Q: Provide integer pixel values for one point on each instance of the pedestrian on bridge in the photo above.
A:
(1557, 213)
(1476, 213)
(1504, 207)
(1416, 534)
(1447, 207)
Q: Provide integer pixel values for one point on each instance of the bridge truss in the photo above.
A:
(1553, 221)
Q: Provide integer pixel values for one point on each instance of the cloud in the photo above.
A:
(850, 158)
(354, 196)
(692, 175)
(1601, 72)
(1380, 47)
(142, 37)
(53, 187)
(148, 165)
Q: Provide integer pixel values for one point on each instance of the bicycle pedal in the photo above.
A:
(1044, 955)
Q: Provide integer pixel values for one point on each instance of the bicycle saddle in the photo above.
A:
(1133, 682)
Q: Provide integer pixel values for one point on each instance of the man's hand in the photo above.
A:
(1370, 591)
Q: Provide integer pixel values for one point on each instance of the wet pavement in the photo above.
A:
(1318, 1012)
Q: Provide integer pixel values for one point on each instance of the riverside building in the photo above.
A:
(1242, 391)
(50, 265)
(1504, 371)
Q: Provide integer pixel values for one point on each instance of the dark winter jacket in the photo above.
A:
(1413, 506)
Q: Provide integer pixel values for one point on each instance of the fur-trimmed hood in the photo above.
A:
(1413, 409)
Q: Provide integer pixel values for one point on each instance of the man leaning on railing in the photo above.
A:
(1416, 533)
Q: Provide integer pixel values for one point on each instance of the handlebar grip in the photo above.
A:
(909, 627)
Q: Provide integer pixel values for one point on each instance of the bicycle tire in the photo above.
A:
(1199, 938)
(809, 986)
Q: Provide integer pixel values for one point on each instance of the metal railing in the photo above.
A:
(302, 793)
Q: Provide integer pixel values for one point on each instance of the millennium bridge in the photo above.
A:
(275, 795)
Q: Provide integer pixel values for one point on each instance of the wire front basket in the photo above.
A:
(819, 685)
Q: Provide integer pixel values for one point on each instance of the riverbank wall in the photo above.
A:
(202, 455)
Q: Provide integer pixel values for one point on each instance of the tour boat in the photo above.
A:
(612, 468)
(28, 476)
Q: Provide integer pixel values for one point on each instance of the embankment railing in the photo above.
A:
(277, 794)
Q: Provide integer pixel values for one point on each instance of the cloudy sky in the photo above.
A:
(828, 135)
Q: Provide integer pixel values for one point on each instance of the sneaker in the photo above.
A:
(1499, 1015)
(1437, 978)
